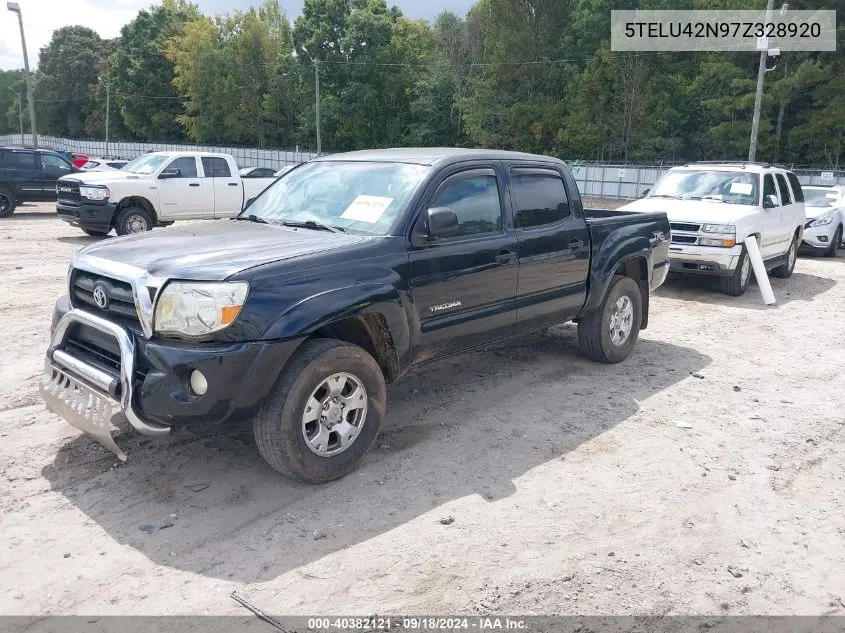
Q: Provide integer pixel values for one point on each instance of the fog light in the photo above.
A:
(822, 238)
(199, 384)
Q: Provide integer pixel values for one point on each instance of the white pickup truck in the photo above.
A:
(156, 189)
(714, 207)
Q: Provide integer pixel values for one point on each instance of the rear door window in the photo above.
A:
(540, 197)
(215, 167)
(796, 187)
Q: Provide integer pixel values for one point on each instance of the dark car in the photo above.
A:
(337, 279)
(29, 175)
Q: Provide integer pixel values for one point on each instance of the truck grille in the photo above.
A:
(98, 349)
(684, 239)
(683, 226)
(68, 191)
(119, 300)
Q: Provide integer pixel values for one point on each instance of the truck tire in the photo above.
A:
(346, 387)
(608, 335)
(133, 220)
(834, 244)
(784, 271)
(736, 284)
(93, 232)
(7, 203)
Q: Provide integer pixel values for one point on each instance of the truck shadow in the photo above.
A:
(83, 239)
(205, 502)
(702, 289)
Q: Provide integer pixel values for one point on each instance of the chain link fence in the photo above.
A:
(244, 156)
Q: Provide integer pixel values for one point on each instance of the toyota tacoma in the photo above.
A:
(336, 280)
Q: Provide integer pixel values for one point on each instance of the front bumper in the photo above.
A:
(819, 238)
(96, 216)
(148, 381)
(704, 260)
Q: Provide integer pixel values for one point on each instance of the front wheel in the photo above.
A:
(784, 271)
(834, 244)
(608, 335)
(736, 284)
(325, 411)
(7, 203)
(133, 220)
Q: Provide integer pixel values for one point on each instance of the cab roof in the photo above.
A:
(432, 155)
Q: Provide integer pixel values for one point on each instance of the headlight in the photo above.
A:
(195, 309)
(718, 228)
(823, 221)
(709, 241)
(94, 193)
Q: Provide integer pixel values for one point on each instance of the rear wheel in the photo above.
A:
(784, 271)
(7, 203)
(325, 411)
(834, 244)
(608, 335)
(133, 220)
(737, 283)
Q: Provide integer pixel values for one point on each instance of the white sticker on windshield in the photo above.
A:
(367, 209)
(742, 188)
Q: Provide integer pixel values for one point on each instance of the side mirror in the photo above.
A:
(249, 202)
(770, 201)
(644, 193)
(171, 172)
(441, 222)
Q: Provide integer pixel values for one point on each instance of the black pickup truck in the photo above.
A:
(29, 175)
(337, 279)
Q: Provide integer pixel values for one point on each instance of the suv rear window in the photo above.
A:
(796, 187)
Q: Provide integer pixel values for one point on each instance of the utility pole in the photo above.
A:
(758, 98)
(108, 90)
(317, 104)
(20, 112)
(14, 7)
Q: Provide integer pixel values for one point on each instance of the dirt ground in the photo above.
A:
(702, 476)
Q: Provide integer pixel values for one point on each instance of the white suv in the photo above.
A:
(713, 207)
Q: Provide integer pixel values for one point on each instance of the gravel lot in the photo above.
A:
(703, 475)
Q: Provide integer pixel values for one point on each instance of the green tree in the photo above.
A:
(67, 70)
(11, 82)
(142, 80)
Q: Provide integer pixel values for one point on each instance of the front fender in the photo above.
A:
(622, 244)
(310, 314)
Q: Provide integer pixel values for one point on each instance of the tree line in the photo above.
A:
(529, 75)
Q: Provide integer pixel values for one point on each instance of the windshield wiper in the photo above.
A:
(311, 224)
(252, 218)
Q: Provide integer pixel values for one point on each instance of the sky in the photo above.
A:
(41, 17)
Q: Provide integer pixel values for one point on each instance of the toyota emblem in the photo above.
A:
(101, 298)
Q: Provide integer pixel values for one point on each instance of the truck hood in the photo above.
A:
(103, 177)
(214, 250)
(697, 211)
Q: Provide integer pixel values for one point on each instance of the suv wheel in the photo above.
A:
(325, 411)
(784, 271)
(7, 203)
(133, 220)
(737, 283)
(834, 244)
(608, 335)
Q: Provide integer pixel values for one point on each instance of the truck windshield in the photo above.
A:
(145, 164)
(733, 187)
(354, 196)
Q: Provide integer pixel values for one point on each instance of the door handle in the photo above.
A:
(233, 184)
(505, 257)
(193, 184)
(576, 244)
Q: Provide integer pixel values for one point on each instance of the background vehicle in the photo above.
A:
(339, 278)
(714, 207)
(256, 172)
(76, 159)
(29, 175)
(105, 164)
(156, 189)
(825, 208)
